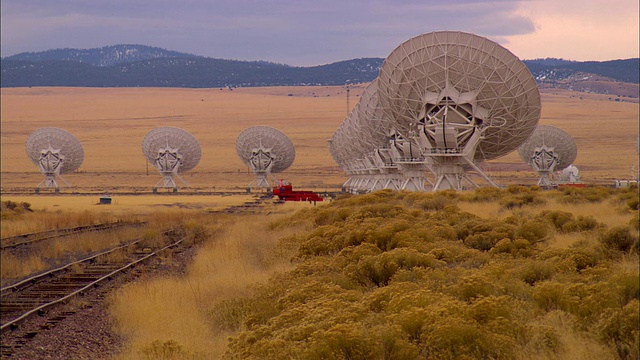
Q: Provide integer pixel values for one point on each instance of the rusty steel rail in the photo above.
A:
(24, 239)
(25, 283)
(61, 292)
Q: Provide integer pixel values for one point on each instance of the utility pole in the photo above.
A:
(347, 85)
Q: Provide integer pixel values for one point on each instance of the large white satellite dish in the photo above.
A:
(265, 150)
(172, 151)
(54, 151)
(443, 102)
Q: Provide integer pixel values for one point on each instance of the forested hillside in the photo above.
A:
(144, 66)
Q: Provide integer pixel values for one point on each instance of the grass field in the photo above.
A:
(111, 123)
(248, 259)
(122, 204)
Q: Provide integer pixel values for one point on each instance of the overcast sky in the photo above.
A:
(314, 32)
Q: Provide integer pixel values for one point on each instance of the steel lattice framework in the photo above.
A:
(266, 151)
(361, 145)
(54, 151)
(549, 149)
(172, 151)
(443, 102)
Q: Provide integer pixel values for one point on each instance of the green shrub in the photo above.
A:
(545, 339)
(195, 233)
(535, 271)
(566, 222)
(471, 287)
(584, 258)
(161, 350)
(484, 194)
(435, 202)
(456, 338)
(618, 238)
(151, 238)
(517, 248)
(627, 285)
(534, 231)
(401, 275)
(483, 241)
(620, 328)
(483, 234)
(11, 209)
(591, 194)
(550, 295)
(557, 217)
(582, 223)
(377, 270)
(635, 222)
(229, 315)
(521, 199)
(343, 341)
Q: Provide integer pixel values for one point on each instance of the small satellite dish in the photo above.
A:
(548, 149)
(265, 150)
(172, 151)
(54, 151)
(570, 175)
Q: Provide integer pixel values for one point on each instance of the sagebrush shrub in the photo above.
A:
(591, 194)
(618, 238)
(550, 295)
(518, 247)
(534, 231)
(535, 271)
(169, 349)
(620, 327)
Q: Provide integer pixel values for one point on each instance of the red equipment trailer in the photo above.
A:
(284, 191)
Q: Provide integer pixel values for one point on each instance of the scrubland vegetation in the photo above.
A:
(518, 273)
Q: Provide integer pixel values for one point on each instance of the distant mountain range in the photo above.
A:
(145, 66)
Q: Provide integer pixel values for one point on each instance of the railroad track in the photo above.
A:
(41, 294)
(36, 294)
(27, 239)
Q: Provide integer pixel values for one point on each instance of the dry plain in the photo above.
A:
(111, 123)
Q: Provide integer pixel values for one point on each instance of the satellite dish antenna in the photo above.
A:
(265, 150)
(549, 149)
(461, 99)
(54, 151)
(172, 151)
(361, 146)
(570, 175)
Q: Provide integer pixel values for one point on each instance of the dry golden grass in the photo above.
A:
(577, 346)
(174, 308)
(49, 252)
(128, 204)
(57, 212)
(49, 220)
(110, 123)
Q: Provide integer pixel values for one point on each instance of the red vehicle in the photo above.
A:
(284, 191)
